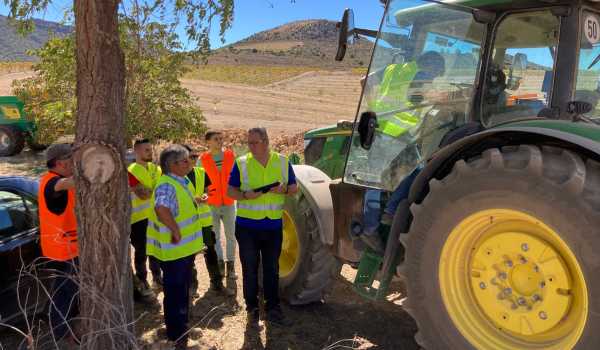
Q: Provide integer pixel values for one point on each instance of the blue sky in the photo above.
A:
(252, 16)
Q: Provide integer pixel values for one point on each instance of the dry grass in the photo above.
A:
(246, 74)
(15, 67)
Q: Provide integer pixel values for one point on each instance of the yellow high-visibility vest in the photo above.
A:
(204, 213)
(158, 241)
(253, 175)
(393, 92)
(148, 177)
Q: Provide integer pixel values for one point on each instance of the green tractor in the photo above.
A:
(15, 128)
(498, 236)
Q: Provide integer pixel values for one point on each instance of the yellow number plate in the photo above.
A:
(10, 112)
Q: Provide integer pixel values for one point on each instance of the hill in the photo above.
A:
(310, 43)
(13, 46)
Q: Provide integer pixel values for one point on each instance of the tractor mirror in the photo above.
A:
(366, 129)
(345, 34)
(519, 62)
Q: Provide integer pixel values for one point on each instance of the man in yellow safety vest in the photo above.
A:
(143, 176)
(174, 238)
(260, 181)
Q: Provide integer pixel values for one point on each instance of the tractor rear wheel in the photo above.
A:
(503, 253)
(12, 141)
(306, 266)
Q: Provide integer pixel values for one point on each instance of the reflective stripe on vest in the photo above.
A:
(253, 175)
(58, 233)
(393, 93)
(204, 213)
(158, 242)
(148, 177)
(217, 191)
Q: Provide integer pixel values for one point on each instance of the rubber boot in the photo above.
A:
(230, 267)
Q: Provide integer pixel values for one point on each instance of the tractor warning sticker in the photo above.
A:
(10, 112)
(591, 28)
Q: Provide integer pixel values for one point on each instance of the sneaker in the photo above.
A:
(142, 288)
(275, 316)
(253, 316)
(374, 242)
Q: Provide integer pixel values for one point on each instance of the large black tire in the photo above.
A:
(12, 141)
(315, 267)
(556, 186)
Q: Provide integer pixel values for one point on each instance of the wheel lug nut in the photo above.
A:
(482, 285)
(524, 247)
(521, 301)
(507, 291)
(502, 275)
(509, 263)
(543, 315)
(536, 298)
(513, 306)
(523, 260)
(542, 284)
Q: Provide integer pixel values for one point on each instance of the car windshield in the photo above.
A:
(420, 85)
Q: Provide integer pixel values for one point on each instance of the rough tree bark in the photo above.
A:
(101, 180)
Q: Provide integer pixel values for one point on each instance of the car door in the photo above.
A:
(19, 250)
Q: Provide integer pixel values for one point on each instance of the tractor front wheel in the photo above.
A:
(12, 141)
(503, 253)
(306, 266)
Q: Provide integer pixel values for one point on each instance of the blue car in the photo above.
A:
(21, 292)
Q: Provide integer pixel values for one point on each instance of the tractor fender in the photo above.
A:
(314, 184)
(443, 160)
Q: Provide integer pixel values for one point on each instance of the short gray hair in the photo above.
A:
(170, 155)
(262, 132)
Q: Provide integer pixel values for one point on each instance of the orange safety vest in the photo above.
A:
(58, 233)
(217, 191)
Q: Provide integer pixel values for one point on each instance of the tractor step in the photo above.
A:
(366, 282)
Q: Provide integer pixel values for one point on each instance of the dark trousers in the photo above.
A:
(138, 241)
(176, 279)
(210, 258)
(64, 303)
(256, 245)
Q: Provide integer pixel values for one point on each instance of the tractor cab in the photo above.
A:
(437, 66)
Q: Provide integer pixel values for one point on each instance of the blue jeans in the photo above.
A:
(372, 206)
(176, 279)
(256, 245)
(64, 304)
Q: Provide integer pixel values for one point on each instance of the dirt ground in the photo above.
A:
(345, 321)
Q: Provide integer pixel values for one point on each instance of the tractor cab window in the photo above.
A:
(588, 74)
(519, 76)
(419, 85)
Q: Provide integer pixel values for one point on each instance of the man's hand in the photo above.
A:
(202, 199)
(251, 195)
(142, 192)
(64, 184)
(281, 189)
(175, 236)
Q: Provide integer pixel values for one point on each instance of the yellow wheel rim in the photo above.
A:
(508, 281)
(289, 247)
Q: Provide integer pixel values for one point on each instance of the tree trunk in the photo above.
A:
(101, 179)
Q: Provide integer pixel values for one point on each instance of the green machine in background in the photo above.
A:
(15, 128)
